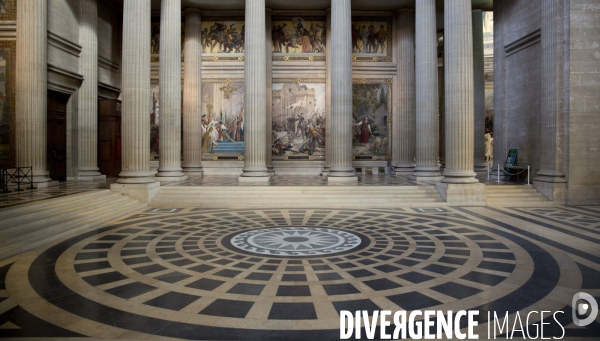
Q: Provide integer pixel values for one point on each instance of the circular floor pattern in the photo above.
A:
(294, 241)
(159, 268)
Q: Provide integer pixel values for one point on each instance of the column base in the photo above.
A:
(100, 177)
(136, 177)
(342, 179)
(404, 170)
(462, 194)
(480, 168)
(193, 170)
(141, 192)
(555, 191)
(45, 184)
(254, 179)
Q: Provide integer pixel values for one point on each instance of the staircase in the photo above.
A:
(514, 195)
(297, 197)
(25, 227)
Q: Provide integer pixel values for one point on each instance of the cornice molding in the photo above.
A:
(523, 42)
(64, 44)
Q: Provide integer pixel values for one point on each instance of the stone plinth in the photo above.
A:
(140, 192)
(462, 194)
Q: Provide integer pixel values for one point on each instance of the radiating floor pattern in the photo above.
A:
(215, 274)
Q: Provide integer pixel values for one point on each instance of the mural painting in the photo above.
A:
(371, 131)
(223, 37)
(8, 9)
(155, 39)
(222, 117)
(7, 110)
(371, 39)
(298, 36)
(298, 119)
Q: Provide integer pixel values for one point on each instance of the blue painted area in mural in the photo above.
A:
(229, 147)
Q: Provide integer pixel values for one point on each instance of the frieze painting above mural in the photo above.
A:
(298, 119)
(223, 38)
(298, 38)
(371, 37)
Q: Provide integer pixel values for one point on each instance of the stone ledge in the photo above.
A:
(142, 192)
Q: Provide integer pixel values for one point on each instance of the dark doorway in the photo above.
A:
(109, 137)
(57, 135)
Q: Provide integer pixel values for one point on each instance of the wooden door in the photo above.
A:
(56, 150)
(109, 137)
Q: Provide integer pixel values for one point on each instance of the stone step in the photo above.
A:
(290, 196)
(271, 204)
(68, 228)
(8, 212)
(60, 220)
(25, 216)
(69, 209)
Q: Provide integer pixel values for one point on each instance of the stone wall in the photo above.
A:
(109, 43)
(517, 77)
(583, 139)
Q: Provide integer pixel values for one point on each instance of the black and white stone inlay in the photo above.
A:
(296, 241)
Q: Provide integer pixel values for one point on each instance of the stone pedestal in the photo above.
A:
(255, 81)
(169, 168)
(462, 194)
(192, 93)
(341, 94)
(141, 192)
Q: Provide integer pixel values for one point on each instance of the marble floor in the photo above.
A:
(282, 274)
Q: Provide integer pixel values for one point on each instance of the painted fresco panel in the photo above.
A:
(371, 39)
(223, 38)
(222, 117)
(298, 119)
(371, 120)
(300, 38)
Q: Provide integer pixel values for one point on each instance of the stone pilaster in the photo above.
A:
(255, 97)
(31, 88)
(480, 165)
(404, 124)
(427, 109)
(550, 180)
(192, 93)
(135, 113)
(459, 185)
(500, 105)
(269, 89)
(327, 93)
(169, 79)
(87, 121)
(341, 93)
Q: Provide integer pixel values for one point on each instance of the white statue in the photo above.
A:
(489, 148)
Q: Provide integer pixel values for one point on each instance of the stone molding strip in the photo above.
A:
(523, 42)
(62, 80)
(64, 44)
(107, 64)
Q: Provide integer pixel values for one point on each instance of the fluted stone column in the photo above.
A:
(550, 179)
(255, 97)
(500, 88)
(426, 66)
(31, 87)
(135, 112)
(169, 78)
(480, 165)
(87, 120)
(459, 185)
(341, 93)
(192, 93)
(405, 122)
(269, 89)
(327, 166)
